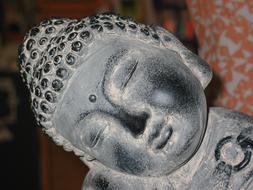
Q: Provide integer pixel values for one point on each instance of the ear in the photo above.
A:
(198, 66)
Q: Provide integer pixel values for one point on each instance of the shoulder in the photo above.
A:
(227, 115)
(229, 146)
(224, 159)
(230, 127)
(224, 124)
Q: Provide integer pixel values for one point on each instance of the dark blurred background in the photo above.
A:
(28, 159)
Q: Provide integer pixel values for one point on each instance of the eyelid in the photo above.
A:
(91, 127)
(130, 74)
(123, 73)
(97, 137)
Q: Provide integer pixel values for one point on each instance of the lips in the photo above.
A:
(163, 138)
(160, 136)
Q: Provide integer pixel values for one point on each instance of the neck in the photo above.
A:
(105, 178)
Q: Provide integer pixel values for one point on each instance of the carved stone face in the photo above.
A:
(134, 107)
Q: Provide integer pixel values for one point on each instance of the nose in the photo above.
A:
(135, 123)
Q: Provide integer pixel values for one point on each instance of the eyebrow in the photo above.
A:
(81, 116)
(115, 57)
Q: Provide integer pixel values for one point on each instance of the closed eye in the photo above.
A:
(96, 138)
(130, 74)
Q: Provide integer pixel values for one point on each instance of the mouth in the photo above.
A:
(164, 138)
(160, 137)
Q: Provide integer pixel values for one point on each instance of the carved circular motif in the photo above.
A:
(232, 153)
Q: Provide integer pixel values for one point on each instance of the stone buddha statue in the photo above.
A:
(129, 100)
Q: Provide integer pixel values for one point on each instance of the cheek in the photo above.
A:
(130, 160)
(187, 135)
(119, 151)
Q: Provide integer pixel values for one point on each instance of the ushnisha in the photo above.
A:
(129, 100)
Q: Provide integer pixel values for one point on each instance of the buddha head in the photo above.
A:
(122, 95)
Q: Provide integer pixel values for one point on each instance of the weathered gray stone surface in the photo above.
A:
(129, 100)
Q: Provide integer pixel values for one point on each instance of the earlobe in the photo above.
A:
(198, 66)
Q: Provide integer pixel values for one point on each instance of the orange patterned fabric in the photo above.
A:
(225, 32)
